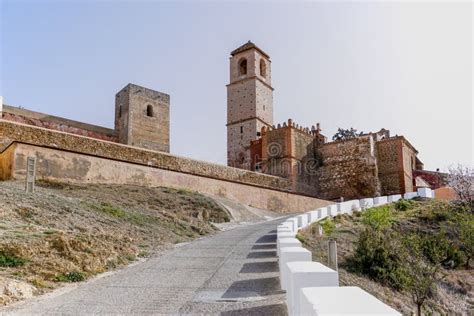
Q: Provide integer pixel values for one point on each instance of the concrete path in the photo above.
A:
(232, 273)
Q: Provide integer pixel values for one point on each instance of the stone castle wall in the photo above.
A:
(396, 162)
(389, 154)
(349, 169)
(302, 144)
(38, 119)
(408, 165)
(58, 165)
(55, 146)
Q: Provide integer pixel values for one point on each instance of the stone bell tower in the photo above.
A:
(249, 102)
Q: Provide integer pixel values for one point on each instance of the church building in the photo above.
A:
(363, 166)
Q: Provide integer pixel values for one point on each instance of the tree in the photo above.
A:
(467, 239)
(463, 226)
(461, 179)
(423, 256)
(345, 134)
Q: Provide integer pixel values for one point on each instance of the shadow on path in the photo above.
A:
(271, 238)
(260, 267)
(263, 247)
(262, 254)
(253, 288)
(274, 310)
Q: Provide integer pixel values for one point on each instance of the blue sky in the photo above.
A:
(399, 65)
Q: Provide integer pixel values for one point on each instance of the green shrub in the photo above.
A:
(74, 276)
(301, 238)
(110, 210)
(8, 259)
(328, 226)
(378, 218)
(435, 248)
(376, 257)
(455, 258)
(403, 205)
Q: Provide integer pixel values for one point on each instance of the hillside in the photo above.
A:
(384, 274)
(67, 233)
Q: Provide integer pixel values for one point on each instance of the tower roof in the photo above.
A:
(247, 46)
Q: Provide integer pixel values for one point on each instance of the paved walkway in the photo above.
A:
(232, 273)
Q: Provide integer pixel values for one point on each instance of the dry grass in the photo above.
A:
(65, 233)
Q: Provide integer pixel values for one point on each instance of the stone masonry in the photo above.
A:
(368, 165)
(249, 101)
(142, 118)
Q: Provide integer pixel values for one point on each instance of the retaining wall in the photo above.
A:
(71, 158)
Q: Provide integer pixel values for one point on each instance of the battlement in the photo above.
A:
(313, 131)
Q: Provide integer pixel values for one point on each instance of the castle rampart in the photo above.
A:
(67, 157)
(38, 119)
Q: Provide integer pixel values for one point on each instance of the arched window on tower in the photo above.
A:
(243, 67)
(263, 68)
(149, 111)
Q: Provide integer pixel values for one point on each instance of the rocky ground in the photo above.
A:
(66, 233)
(455, 293)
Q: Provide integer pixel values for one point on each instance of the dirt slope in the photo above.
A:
(455, 293)
(66, 233)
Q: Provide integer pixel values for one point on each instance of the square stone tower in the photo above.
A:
(142, 118)
(249, 102)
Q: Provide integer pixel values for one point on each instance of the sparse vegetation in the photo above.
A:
(70, 232)
(8, 259)
(378, 218)
(403, 205)
(109, 209)
(328, 226)
(74, 276)
(415, 250)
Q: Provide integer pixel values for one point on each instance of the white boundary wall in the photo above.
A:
(311, 287)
